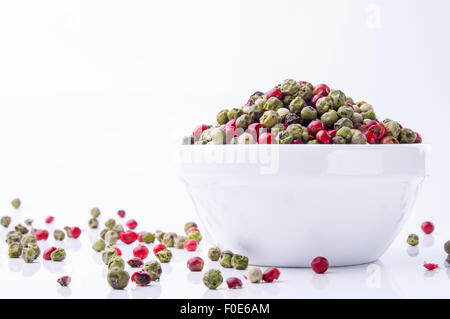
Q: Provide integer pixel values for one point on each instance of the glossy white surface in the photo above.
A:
(267, 201)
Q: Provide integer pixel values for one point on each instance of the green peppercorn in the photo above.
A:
(243, 121)
(346, 133)
(338, 97)
(108, 254)
(67, 230)
(28, 239)
(118, 278)
(284, 137)
(169, 239)
(110, 223)
(118, 228)
(58, 255)
(329, 118)
(222, 117)
(98, 245)
(392, 128)
(287, 99)
(297, 104)
(93, 223)
(103, 233)
(148, 238)
(343, 122)
(306, 91)
(447, 247)
(218, 136)
(413, 240)
(324, 105)
(407, 136)
(111, 237)
(179, 242)
(254, 275)
(282, 113)
(255, 112)
(269, 119)
(345, 111)
(205, 137)
(58, 234)
(160, 236)
(349, 100)
(29, 254)
(338, 140)
(308, 113)
(358, 138)
(369, 115)
(212, 278)
(366, 108)
(164, 256)
(273, 104)
(16, 203)
(239, 262)
(95, 212)
(189, 225)
(15, 250)
(234, 113)
(289, 87)
(195, 235)
(21, 229)
(28, 222)
(225, 259)
(296, 130)
(246, 138)
(214, 253)
(357, 118)
(153, 268)
(13, 237)
(116, 262)
(5, 221)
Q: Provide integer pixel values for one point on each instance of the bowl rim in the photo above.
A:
(424, 146)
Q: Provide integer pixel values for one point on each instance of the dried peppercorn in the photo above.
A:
(13, 237)
(5, 221)
(121, 213)
(48, 252)
(234, 283)
(179, 242)
(16, 203)
(128, 237)
(15, 250)
(271, 274)
(160, 235)
(164, 256)
(108, 254)
(319, 265)
(214, 253)
(135, 262)
(429, 266)
(153, 268)
(49, 219)
(169, 239)
(212, 278)
(58, 255)
(146, 237)
(141, 278)
(111, 237)
(95, 212)
(110, 223)
(58, 234)
(99, 245)
(118, 278)
(93, 223)
(140, 251)
(190, 245)
(64, 281)
(413, 240)
(254, 275)
(75, 232)
(67, 230)
(195, 235)
(28, 222)
(30, 253)
(239, 262)
(159, 248)
(427, 227)
(41, 234)
(21, 229)
(195, 264)
(131, 224)
(225, 259)
(28, 239)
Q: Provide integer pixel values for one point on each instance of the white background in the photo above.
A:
(94, 94)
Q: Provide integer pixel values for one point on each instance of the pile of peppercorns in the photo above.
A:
(300, 113)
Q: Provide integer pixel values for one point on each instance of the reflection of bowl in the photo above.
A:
(283, 205)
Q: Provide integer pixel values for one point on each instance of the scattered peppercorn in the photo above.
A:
(141, 278)
(189, 225)
(195, 235)
(5, 221)
(179, 242)
(75, 232)
(146, 237)
(135, 262)
(95, 212)
(110, 223)
(319, 265)
(58, 255)
(413, 240)
(271, 274)
(93, 223)
(131, 224)
(254, 275)
(169, 239)
(239, 262)
(234, 283)
(121, 213)
(99, 245)
(116, 262)
(16, 203)
(64, 281)
(118, 278)
(108, 254)
(153, 268)
(225, 259)
(128, 237)
(427, 227)
(212, 278)
(140, 251)
(15, 250)
(190, 245)
(59, 234)
(195, 264)
(48, 252)
(164, 256)
(41, 234)
(214, 253)
(21, 229)
(28, 222)
(430, 266)
(49, 219)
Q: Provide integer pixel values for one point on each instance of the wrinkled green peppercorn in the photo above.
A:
(5, 221)
(289, 87)
(234, 113)
(225, 259)
(21, 229)
(324, 104)
(148, 238)
(13, 237)
(329, 118)
(269, 119)
(179, 242)
(366, 108)
(255, 112)
(98, 245)
(296, 130)
(116, 262)
(111, 237)
(118, 278)
(345, 111)
(338, 140)
(195, 235)
(243, 121)
(272, 104)
(16, 203)
(59, 234)
(214, 253)
(160, 236)
(306, 91)
(246, 138)
(118, 228)
(407, 136)
(346, 133)
(30, 253)
(169, 239)
(357, 118)
(254, 275)
(93, 223)
(284, 137)
(282, 113)
(297, 105)
(164, 256)
(95, 212)
(58, 255)
(343, 122)
(222, 117)
(110, 223)
(189, 225)
(108, 254)
(212, 278)
(413, 240)
(67, 230)
(308, 113)
(369, 115)
(392, 129)
(153, 268)
(239, 262)
(103, 233)
(28, 239)
(338, 97)
(15, 250)
(28, 222)
(358, 138)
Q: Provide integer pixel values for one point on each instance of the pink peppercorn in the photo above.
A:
(271, 274)
(158, 248)
(314, 127)
(131, 224)
(322, 89)
(119, 252)
(323, 137)
(41, 234)
(319, 265)
(48, 252)
(195, 264)
(49, 219)
(427, 227)
(121, 213)
(190, 245)
(234, 283)
(140, 251)
(75, 232)
(275, 92)
(430, 266)
(128, 236)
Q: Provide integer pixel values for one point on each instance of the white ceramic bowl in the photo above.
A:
(283, 205)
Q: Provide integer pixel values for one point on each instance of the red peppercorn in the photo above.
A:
(299, 141)
(48, 252)
(323, 137)
(131, 224)
(371, 137)
(389, 140)
(276, 92)
(430, 266)
(197, 133)
(192, 229)
(271, 274)
(266, 138)
(135, 262)
(140, 251)
(128, 236)
(418, 138)
(41, 234)
(314, 99)
(234, 283)
(319, 265)
(75, 232)
(119, 252)
(140, 239)
(427, 227)
(158, 248)
(49, 219)
(195, 264)
(141, 278)
(314, 127)
(378, 129)
(121, 213)
(332, 133)
(322, 89)
(190, 245)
